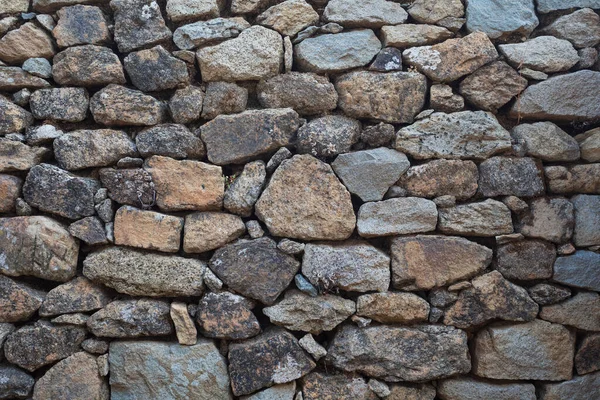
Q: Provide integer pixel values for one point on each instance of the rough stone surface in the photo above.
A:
(473, 389)
(243, 193)
(390, 308)
(63, 104)
(190, 36)
(180, 10)
(586, 359)
(225, 315)
(186, 105)
(210, 230)
(323, 386)
(526, 259)
(224, 98)
(581, 28)
(81, 25)
(578, 270)
(501, 20)
(147, 230)
(87, 66)
(590, 146)
(587, 220)
(10, 189)
(14, 78)
(328, 136)
(13, 118)
(155, 69)
(289, 17)
(580, 311)
(574, 179)
(138, 23)
(550, 219)
(487, 218)
(77, 295)
(510, 176)
(28, 41)
(544, 53)
(16, 383)
(436, 12)
(396, 217)
(120, 106)
(16, 156)
(129, 186)
(578, 388)
(369, 14)
(169, 140)
(547, 293)
(18, 301)
(441, 178)
(546, 141)
(410, 35)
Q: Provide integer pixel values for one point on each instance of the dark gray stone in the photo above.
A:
(169, 140)
(129, 186)
(580, 270)
(14, 383)
(328, 136)
(388, 59)
(90, 230)
(155, 69)
(548, 293)
(526, 259)
(87, 66)
(510, 176)
(62, 104)
(138, 23)
(78, 295)
(18, 301)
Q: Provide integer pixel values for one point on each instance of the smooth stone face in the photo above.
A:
(34, 346)
(526, 259)
(155, 69)
(452, 59)
(390, 308)
(10, 190)
(441, 178)
(460, 135)
(587, 220)
(271, 358)
(582, 28)
(147, 230)
(579, 388)
(578, 270)
(77, 295)
(369, 173)
(336, 52)
(129, 186)
(12, 119)
(18, 301)
(580, 311)
(77, 376)
(62, 104)
(92, 148)
(424, 262)
(587, 358)
(14, 382)
(510, 176)
(87, 66)
(138, 23)
(190, 36)
(547, 141)
(391, 97)
(144, 274)
(38, 67)
(320, 385)
(321, 210)
(226, 315)
(368, 14)
(467, 388)
(210, 230)
(536, 350)
(37, 246)
(546, 6)
(390, 352)
(14, 78)
(288, 17)
(120, 106)
(550, 219)
(169, 140)
(352, 266)
(504, 19)
(132, 318)
(486, 218)
(235, 139)
(81, 25)
(271, 269)
(27, 41)
(543, 53)
(396, 217)
(243, 193)
(328, 136)
(167, 370)
(301, 312)
(255, 54)
(410, 35)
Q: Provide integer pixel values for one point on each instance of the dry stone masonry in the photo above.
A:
(300, 199)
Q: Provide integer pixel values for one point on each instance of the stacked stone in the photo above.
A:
(300, 200)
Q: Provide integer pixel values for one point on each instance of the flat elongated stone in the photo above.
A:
(526, 259)
(548, 293)
(169, 140)
(14, 78)
(390, 308)
(543, 53)
(144, 274)
(510, 176)
(368, 14)
(582, 178)
(138, 23)
(131, 319)
(440, 12)
(210, 230)
(120, 106)
(46, 6)
(168, 371)
(547, 141)
(546, 6)
(37, 246)
(226, 315)
(396, 217)
(578, 388)
(155, 69)
(502, 19)
(467, 388)
(424, 262)
(28, 41)
(578, 270)
(180, 10)
(441, 178)
(580, 311)
(395, 353)
(410, 35)
(87, 66)
(486, 218)
(16, 156)
(62, 104)
(190, 36)
(550, 219)
(147, 230)
(329, 386)
(77, 295)
(18, 301)
(582, 28)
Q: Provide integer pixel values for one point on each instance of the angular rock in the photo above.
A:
(301, 312)
(144, 274)
(322, 209)
(138, 23)
(510, 176)
(381, 352)
(14, 7)
(546, 293)
(581, 28)
(550, 219)
(328, 136)
(436, 12)
(225, 315)
(180, 10)
(407, 391)
(311, 346)
(391, 308)
(388, 59)
(243, 193)
(42, 134)
(543, 53)
(392, 97)
(186, 105)
(467, 388)
(131, 319)
(452, 59)
(547, 141)
(502, 20)
(129, 186)
(63, 104)
(120, 106)
(396, 217)
(378, 135)
(277, 392)
(460, 135)
(586, 359)
(491, 297)
(39, 67)
(155, 70)
(547, 6)
(210, 230)
(16, 156)
(184, 325)
(486, 218)
(590, 146)
(247, 6)
(526, 259)
(368, 14)
(188, 37)
(28, 41)
(271, 269)
(306, 93)
(331, 53)
(580, 311)
(582, 178)
(262, 51)
(442, 98)
(34, 346)
(18, 301)
(587, 220)
(543, 351)
(81, 25)
(224, 98)
(147, 230)
(288, 17)
(441, 178)
(242, 137)
(14, 78)
(14, 382)
(43, 248)
(78, 295)
(13, 118)
(424, 262)
(169, 140)
(579, 388)
(410, 35)
(10, 189)
(578, 270)
(323, 386)
(87, 66)
(271, 358)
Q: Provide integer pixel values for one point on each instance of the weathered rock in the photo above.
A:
(147, 229)
(13, 118)
(394, 97)
(312, 347)
(247, 6)
(491, 297)
(186, 105)
(390, 308)
(580, 311)
(271, 269)
(138, 23)
(467, 388)
(583, 178)
(18, 301)
(261, 52)
(14, 382)
(444, 13)
(410, 35)
(590, 146)
(62, 104)
(186, 184)
(225, 315)
(155, 69)
(14, 78)
(243, 193)
(369, 14)
(210, 230)
(288, 17)
(132, 318)
(544, 53)
(13, 7)
(323, 386)
(587, 220)
(465, 134)
(169, 140)
(188, 37)
(77, 376)
(443, 99)
(150, 368)
(87, 66)
(10, 190)
(301, 312)
(180, 10)
(424, 262)
(543, 351)
(381, 352)
(278, 392)
(81, 25)
(16, 156)
(407, 391)
(224, 98)
(581, 28)
(328, 136)
(322, 209)
(242, 137)
(486, 218)
(43, 248)
(547, 6)
(129, 186)
(547, 293)
(388, 59)
(378, 135)
(336, 52)
(452, 59)
(143, 274)
(118, 105)
(38, 67)
(396, 217)
(42, 134)
(586, 359)
(440, 178)
(33, 346)
(271, 358)
(502, 20)
(78, 295)
(184, 325)
(306, 93)
(526, 259)
(579, 388)
(578, 270)
(550, 219)
(547, 141)
(28, 41)
(510, 176)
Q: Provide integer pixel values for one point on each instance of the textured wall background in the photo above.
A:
(290, 200)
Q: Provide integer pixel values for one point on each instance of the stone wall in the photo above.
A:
(287, 200)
